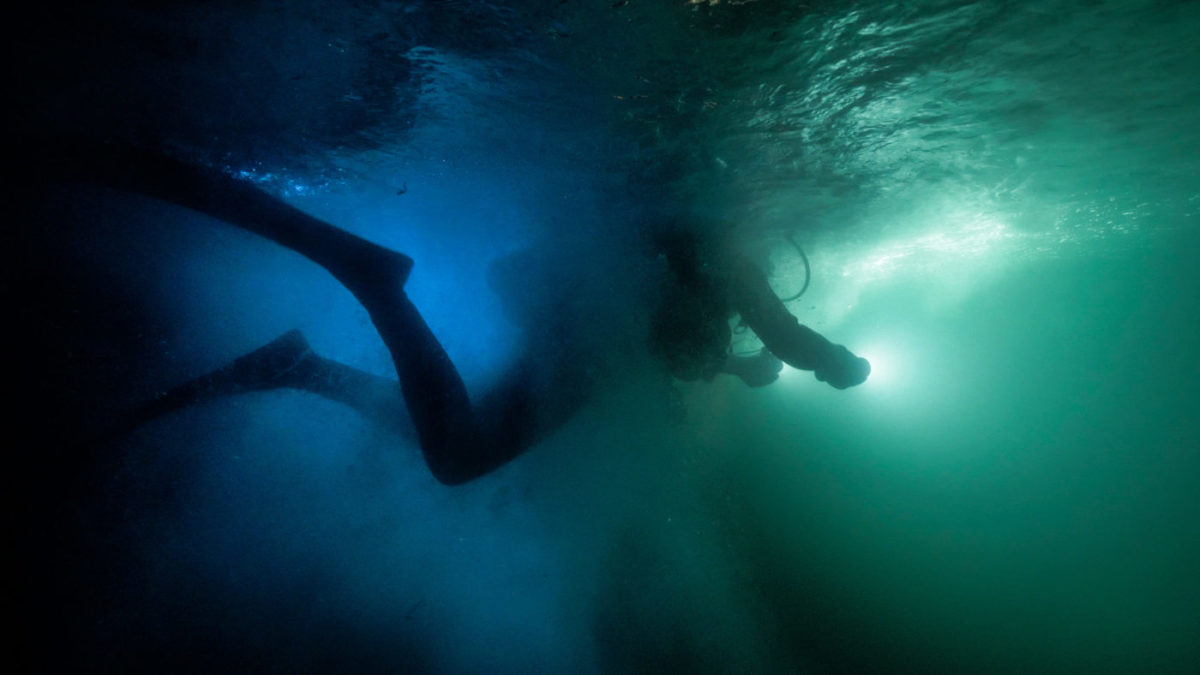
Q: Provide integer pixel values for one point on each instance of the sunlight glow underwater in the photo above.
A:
(948, 251)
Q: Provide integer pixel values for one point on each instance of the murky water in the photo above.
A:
(999, 201)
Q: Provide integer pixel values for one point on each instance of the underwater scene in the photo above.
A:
(604, 336)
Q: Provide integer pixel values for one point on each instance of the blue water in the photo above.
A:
(999, 201)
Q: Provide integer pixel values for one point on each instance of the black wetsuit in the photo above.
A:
(459, 441)
(690, 331)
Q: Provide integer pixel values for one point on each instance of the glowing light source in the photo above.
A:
(886, 366)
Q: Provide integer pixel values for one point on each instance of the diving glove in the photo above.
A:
(843, 369)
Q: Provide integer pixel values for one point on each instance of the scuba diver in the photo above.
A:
(690, 330)
(459, 440)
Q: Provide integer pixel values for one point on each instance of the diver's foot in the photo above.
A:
(393, 267)
(377, 274)
(275, 365)
(265, 367)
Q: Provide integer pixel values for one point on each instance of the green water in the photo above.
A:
(1000, 201)
(1016, 494)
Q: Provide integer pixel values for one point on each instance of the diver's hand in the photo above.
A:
(843, 369)
(756, 371)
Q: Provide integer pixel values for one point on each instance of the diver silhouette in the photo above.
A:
(459, 441)
(690, 330)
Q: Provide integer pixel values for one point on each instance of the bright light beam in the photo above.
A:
(886, 366)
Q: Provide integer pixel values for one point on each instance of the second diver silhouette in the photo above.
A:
(459, 440)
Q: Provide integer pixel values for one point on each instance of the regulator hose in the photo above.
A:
(791, 237)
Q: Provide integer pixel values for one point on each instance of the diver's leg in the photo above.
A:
(363, 267)
(286, 362)
(376, 398)
(433, 389)
(794, 343)
(261, 369)
(537, 395)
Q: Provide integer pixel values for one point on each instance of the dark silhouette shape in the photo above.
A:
(287, 362)
(690, 331)
(537, 395)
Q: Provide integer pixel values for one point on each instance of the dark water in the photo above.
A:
(1000, 203)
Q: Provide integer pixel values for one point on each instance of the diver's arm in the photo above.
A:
(796, 344)
(755, 371)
